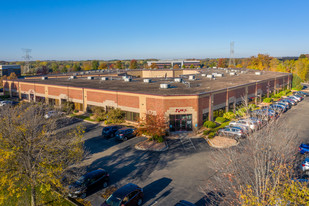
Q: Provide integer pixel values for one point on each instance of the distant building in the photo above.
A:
(8, 69)
(165, 64)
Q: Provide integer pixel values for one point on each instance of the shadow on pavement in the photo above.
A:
(154, 188)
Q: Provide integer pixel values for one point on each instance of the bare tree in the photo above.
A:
(32, 155)
(259, 171)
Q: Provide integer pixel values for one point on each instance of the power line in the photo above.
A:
(232, 59)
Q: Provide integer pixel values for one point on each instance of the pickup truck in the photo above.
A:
(304, 148)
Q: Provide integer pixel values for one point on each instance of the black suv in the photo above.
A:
(95, 179)
(125, 134)
(110, 131)
(184, 203)
(128, 195)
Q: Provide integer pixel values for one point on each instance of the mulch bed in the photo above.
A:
(151, 145)
(222, 142)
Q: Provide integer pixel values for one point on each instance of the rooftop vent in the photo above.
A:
(203, 75)
(44, 78)
(258, 73)
(90, 78)
(177, 80)
(104, 78)
(219, 75)
(72, 77)
(191, 77)
(147, 80)
(87, 72)
(127, 79)
(82, 73)
(232, 73)
(210, 76)
(164, 86)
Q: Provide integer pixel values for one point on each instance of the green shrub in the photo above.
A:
(220, 120)
(75, 111)
(158, 139)
(229, 115)
(114, 116)
(267, 100)
(206, 132)
(210, 124)
(211, 135)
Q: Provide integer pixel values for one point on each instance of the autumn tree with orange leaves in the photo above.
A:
(154, 126)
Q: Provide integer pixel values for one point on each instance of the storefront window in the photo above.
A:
(181, 122)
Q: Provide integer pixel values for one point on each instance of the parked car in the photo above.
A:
(286, 104)
(259, 121)
(248, 123)
(128, 195)
(110, 131)
(52, 113)
(291, 101)
(184, 203)
(285, 107)
(94, 179)
(298, 97)
(277, 108)
(7, 102)
(301, 93)
(304, 148)
(294, 98)
(125, 134)
(305, 165)
(232, 131)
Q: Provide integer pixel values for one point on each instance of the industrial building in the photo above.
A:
(8, 69)
(164, 64)
(186, 100)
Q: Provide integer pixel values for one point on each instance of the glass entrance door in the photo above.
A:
(181, 122)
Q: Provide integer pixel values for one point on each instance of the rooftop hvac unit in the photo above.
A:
(203, 75)
(104, 78)
(191, 77)
(232, 73)
(210, 76)
(214, 74)
(72, 77)
(147, 80)
(219, 75)
(258, 73)
(177, 80)
(82, 73)
(75, 74)
(90, 78)
(164, 86)
(127, 79)
(87, 72)
(44, 78)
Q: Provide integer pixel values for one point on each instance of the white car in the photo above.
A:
(2, 103)
(52, 114)
(305, 164)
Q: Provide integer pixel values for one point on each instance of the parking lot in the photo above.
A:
(169, 176)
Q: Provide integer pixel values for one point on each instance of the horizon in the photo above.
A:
(108, 30)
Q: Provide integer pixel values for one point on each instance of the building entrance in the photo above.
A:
(181, 122)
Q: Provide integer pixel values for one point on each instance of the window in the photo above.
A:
(24, 96)
(131, 116)
(205, 117)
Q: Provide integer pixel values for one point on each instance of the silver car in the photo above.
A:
(230, 131)
(245, 125)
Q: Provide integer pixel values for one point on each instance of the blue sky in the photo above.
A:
(165, 29)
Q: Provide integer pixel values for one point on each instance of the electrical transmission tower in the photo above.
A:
(27, 58)
(232, 59)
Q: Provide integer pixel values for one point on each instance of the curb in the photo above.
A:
(220, 147)
(154, 150)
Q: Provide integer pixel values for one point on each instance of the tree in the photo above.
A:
(76, 67)
(4, 77)
(191, 66)
(152, 125)
(94, 64)
(222, 63)
(260, 171)
(87, 65)
(12, 76)
(103, 65)
(55, 67)
(176, 66)
(302, 56)
(32, 156)
(118, 64)
(183, 66)
(133, 64)
(154, 66)
(115, 116)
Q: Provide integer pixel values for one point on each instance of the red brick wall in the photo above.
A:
(57, 91)
(251, 89)
(40, 89)
(26, 87)
(220, 98)
(128, 101)
(100, 97)
(75, 94)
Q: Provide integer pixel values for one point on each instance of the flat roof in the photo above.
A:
(201, 85)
